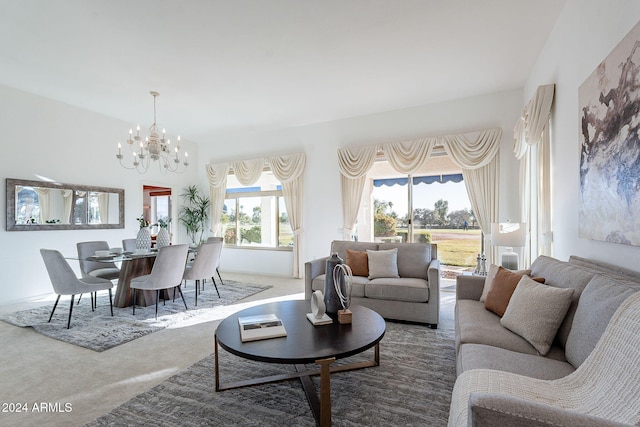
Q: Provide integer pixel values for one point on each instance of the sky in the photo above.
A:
(425, 196)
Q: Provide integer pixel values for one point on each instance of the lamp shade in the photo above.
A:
(510, 234)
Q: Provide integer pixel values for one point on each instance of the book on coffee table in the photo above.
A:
(261, 327)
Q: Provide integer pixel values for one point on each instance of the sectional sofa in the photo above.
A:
(483, 342)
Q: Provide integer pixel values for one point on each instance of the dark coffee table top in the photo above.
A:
(304, 342)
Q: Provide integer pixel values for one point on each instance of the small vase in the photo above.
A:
(143, 239)
(331, 298)
(162, 239)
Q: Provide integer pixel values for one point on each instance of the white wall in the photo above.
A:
(320, 142)
(44, 138)
(585, 33)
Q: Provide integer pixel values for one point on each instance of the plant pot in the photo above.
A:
(162, 239)
(143, 239)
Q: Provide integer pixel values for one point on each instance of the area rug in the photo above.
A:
(99, 331)
(411, 387)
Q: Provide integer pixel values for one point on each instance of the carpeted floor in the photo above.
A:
(99, 331)
(411, 387)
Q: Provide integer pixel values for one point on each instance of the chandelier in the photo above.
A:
(155, 147)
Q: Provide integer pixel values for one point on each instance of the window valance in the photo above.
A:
(408, 156)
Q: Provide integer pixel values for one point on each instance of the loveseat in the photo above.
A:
(485, 345)
(412, 295)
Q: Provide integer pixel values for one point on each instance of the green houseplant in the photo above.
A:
(194, 213)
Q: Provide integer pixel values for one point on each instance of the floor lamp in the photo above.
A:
(509, 235)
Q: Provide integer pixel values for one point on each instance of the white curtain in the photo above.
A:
(354, 163)
(44, 200)
(67, 197)
(533, 130)
(288, 169)
(477, 157)
(103, 207)
(217, 174)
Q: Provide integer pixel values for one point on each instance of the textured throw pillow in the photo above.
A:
(491, 274)
(501, 290)
(383, 263)
(358, 261)
(536, 311)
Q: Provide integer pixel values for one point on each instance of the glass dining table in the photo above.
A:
(132, 265)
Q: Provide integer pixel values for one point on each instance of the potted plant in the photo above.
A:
(143, 238)
(162, 239)
(194, 213)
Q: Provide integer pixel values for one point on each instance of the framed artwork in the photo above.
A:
(609, 102)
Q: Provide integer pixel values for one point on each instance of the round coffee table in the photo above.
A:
(304, 344)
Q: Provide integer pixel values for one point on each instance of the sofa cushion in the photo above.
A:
(480, 356)
(600, 299)
(413, 258)
(536, 311)
(562, 275)
(341, 246)
(358, 262)
(475, 324)
(357, 289)
(502, 287)
(398, 289)
(491, 275)
(383, 263)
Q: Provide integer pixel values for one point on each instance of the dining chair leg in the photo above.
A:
(70, 310)
(111, 302)
(94, 301)
(157, 298)
(79, 298)
(54, 308)
(182, 295)
(134, 301)
(197, 287)
(219, 276)
(214, 284)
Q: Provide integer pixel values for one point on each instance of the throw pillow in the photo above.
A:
(491, 274)
(501, 290)
(358, 261)
(383, 263)
(536, 311)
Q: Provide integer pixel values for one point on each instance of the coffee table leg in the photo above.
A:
(217, 372)
(325, 391)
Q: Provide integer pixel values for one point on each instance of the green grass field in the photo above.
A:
(456, 247)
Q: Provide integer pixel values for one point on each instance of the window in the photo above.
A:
(434, 208)
(255, 216)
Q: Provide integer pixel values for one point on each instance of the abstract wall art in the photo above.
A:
(609, 102)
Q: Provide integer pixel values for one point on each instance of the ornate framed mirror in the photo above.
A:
(40, 205)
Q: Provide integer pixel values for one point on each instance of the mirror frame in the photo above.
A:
(11, 206)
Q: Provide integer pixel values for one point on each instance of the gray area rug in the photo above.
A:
(411, 387)
(99, 331)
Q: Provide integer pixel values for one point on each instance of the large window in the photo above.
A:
(430, 206)
(255, 216)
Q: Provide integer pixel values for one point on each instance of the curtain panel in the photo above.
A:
(288, 169)
(533, 130)
(470, 154)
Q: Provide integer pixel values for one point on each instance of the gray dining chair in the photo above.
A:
(221, 240)
(129, 245)
(104, 270)
(204, 265)
(166, 273)
(65, 281)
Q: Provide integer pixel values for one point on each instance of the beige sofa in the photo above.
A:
(414, 296)
(482, 343)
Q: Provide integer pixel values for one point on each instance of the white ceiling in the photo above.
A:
(225, 66)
